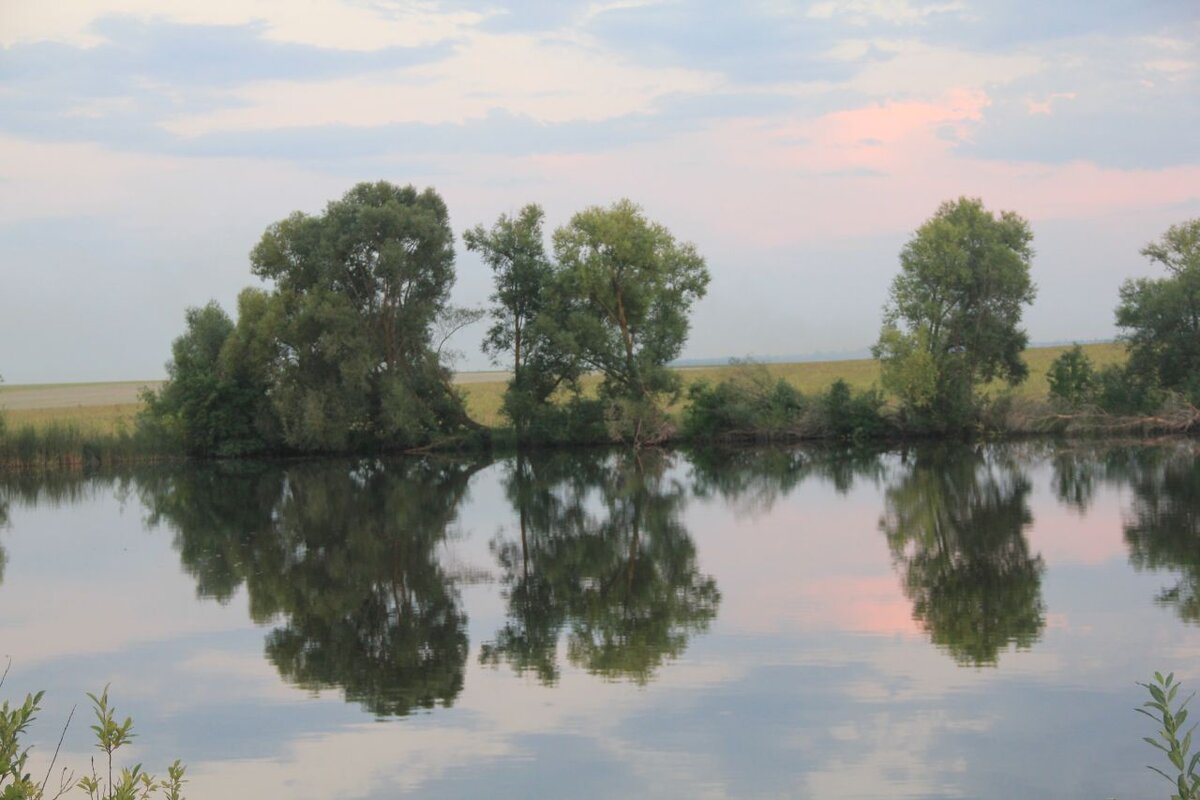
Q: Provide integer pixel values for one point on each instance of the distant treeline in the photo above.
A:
(346, 351)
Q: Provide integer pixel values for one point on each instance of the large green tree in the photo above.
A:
(1160, 317)
(953, 315)
(632, 286)
(359, 288)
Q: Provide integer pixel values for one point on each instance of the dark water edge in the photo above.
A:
(824, 622)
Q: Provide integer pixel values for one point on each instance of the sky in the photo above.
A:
(145, 146)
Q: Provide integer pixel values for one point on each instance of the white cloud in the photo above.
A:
(897, 12)
(916, 68)
(1046, 106)
(551, 80)
(320, 23)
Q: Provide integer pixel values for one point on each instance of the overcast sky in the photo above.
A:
(145, 145)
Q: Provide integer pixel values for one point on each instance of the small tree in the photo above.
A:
(528, 314)
(208, 410)
(952, 320)
(1072, 378)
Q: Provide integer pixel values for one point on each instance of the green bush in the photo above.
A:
(749, 405)
(1123, 391)
(1073, 379)
(853, 416)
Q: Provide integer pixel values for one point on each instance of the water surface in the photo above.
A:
(935, 622)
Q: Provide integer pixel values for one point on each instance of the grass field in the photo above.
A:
(810, 377)
(105, 407)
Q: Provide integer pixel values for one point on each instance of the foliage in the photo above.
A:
(129, 783)
(206, 410)
(341, 353)
(749, 404)
(359, 289)
(1122, 390)
(628, 287)
(1171, 718)
(15, 782)
(1073, 379)
(951, 323)
(528, 313)
(853, 415)
(1161, 317)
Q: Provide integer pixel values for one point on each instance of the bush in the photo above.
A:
(1073, 379)
(577, 421)
(853, 416)
(1123, 391)
(126, 784)
(749, 405)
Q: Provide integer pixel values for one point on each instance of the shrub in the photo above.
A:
(1073, 379)
(853, 416)
(129, 783)
(748, 405)
(1123, 391)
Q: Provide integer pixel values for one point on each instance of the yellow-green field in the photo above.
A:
(483, 398)
(104, 407)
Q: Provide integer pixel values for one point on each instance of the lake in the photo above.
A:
(933, 622)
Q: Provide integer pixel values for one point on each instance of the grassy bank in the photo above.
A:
(810, 377)
(57, 425)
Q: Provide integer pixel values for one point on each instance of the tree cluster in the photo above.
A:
(1160, 323)
(340, 353)
(345, 351)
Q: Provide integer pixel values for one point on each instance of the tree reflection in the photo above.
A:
(600, 554)
(53, 488)
(756, 478)
(1163, 527)
(346, 558)
(954, 523)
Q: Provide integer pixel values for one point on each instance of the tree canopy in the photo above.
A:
(1160, 317)
(635, 286)
(952, 319)
(339, 354)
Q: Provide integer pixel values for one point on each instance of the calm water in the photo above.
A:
(945, 622)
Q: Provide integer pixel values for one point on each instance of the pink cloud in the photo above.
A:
(1047, 106)
(881, 168)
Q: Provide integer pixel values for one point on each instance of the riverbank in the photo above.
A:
(79, 425)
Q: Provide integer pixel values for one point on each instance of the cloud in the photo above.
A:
(1046, 106)
(895, 12)
(551, 80)
(318, 23)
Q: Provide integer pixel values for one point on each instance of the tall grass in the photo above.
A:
(64, 444)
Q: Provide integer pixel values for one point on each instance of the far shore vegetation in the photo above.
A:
(346, 352)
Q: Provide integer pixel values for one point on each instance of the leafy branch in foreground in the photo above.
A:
(132, 783)
(1162, 694)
